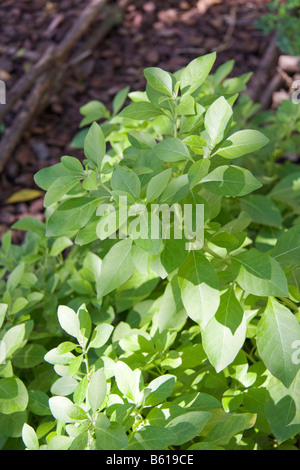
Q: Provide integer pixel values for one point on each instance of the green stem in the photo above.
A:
(214, 254)
(288, 303)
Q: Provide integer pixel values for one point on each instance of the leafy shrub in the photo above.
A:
(140, 343)
(284, 18)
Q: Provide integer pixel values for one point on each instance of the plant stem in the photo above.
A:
(288, 303)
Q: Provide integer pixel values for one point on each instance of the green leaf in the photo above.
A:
(30, 224)
(188, 425)
(171, 313)
(282, 407)
(64, 386)
(30, 356)
(59, 245)
(15, 338)
(13, 395)
(260, 274)
(68, 320)
(194, 75)
(157, 184)
(71, 216)
(159, 80)
(47, 176)
(72, 164)
(186, 107)
(123, 179)
(287, 190)
(120, 99)
(141, 140)
(159, 390)
(101, 335)
(59, 188)
(59, 443)
(129, 382)
(65, 411)
(216, 120)
(287, 248)
(15, 277)
(117, 267)
(175, 191)
(11, 425)
(199, 288)
(225, 334)
(3, 310)
(224, 431)
(171, 149)
(95, 145)
(262, 210)
(230, 181)
(96, 391)
(168, 260)
(278, 331)
(152, 438)
(141, 111)
(241, 143)
(198, 171)
(109, 436)
(29, 437)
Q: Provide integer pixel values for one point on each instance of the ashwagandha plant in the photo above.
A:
(114, 339)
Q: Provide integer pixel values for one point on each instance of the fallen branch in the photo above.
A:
(262, 77)
(47, 76)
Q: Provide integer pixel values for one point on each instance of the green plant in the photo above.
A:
(284, 18)
(113, 341)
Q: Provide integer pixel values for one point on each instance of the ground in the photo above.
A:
(162, 33)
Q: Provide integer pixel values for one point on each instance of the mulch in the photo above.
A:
(162, 33)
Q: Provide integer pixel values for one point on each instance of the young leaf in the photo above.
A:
(95, 145)
(29, 437)
(159, 390)
(287, 248)
(159, 80)
(13, 395)
(188, 425)
(262, 210)
(120, 99)
(117, 267)
(196, 73)
(65, 411)
(141, 111)
(278, 330)
(259, 274)
(157, 185)
(241, 143)
(171, 150)
(101, 335)
(126, 180)
(68, 320)
(97, 389)
(109, 435)
(225, 334)
(129, 382)
(216, 120)
(199, 288)
(230, 181)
